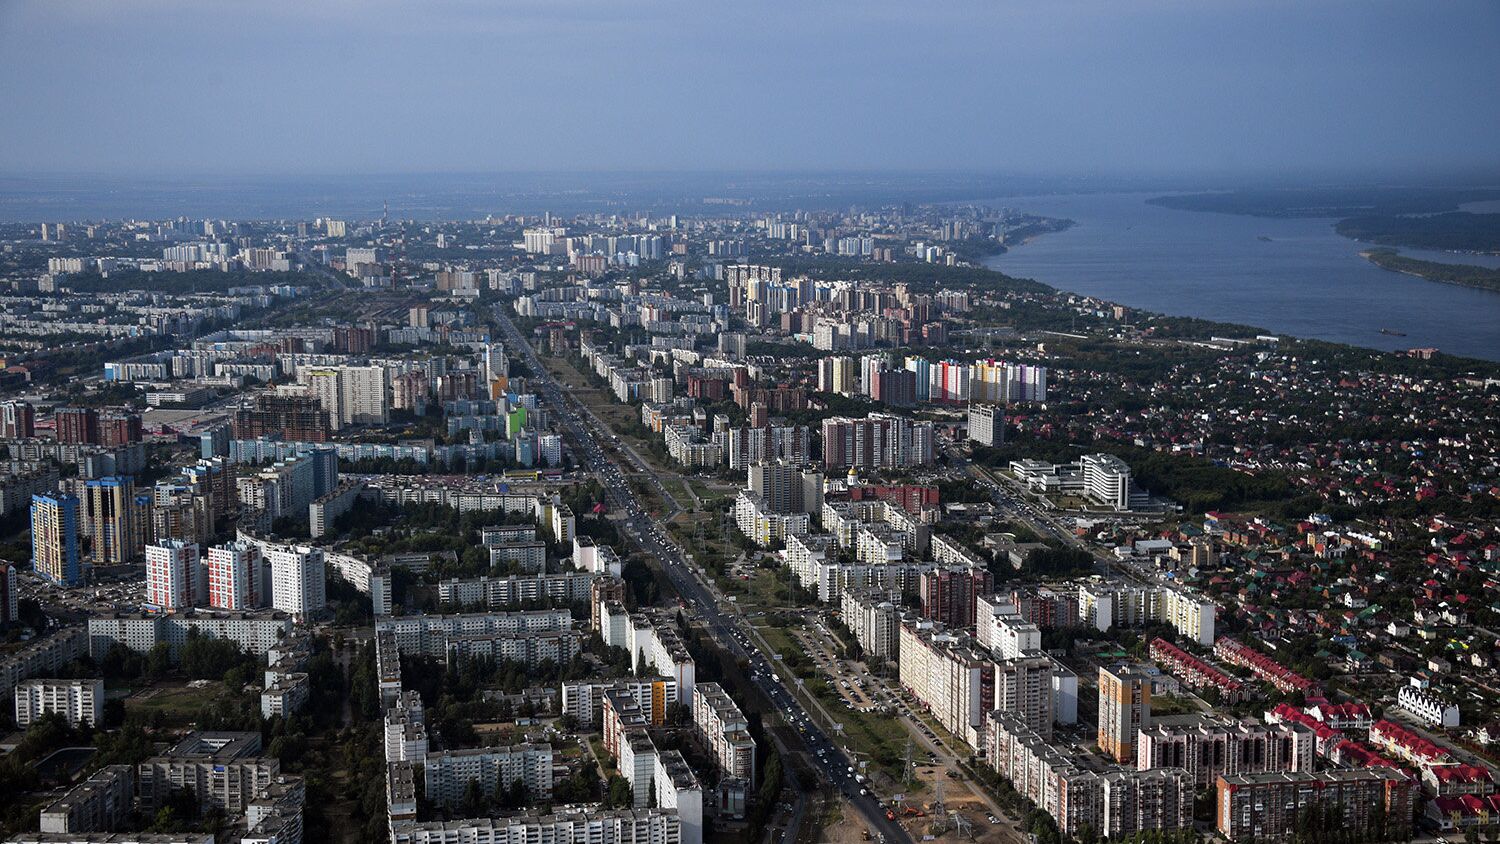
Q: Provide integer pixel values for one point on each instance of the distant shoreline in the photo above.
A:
(1461, 275)
(1052, 225)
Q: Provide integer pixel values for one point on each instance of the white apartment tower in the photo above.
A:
(297, 580)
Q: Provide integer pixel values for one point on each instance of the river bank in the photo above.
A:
(1291, 276)
(1463, 275)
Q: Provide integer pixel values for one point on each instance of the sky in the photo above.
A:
(1149, 87)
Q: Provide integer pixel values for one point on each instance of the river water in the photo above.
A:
(1305, 280)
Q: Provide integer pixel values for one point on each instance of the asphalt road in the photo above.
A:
(829, 760)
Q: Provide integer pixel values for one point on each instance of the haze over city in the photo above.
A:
(1162, 87)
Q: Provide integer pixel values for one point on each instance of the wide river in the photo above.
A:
(1305, 280)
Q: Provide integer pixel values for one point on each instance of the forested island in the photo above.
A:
(1464, 275)
(1328, 202)
(1419, 218)
(1456, 231)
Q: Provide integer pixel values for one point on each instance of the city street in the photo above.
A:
(705, 603)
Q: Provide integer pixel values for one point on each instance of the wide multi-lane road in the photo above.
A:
(829, 760)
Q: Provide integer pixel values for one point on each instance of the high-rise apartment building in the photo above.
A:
(726, 732)
(297, 580)
(54, 538)
(290, 418)
(17, 420)
(175, 575)
(364, 397)
(236, 576)
(1124, 709)
(787, 487)
(114, 521)
(9, 605)
(352, 395)
(875, 442)
(949, 594)
(120, 427)
(76, 425)
(986, 424)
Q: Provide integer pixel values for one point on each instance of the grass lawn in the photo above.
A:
(875, 736)
(177, 704)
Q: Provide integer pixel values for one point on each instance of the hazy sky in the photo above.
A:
(1060, 86)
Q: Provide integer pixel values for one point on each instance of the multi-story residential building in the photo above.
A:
(1209, 748)
(114, 520)
(503, 592)
(998, 381)
(590, 556)
(527, 637)
(549, 449)
(875, 620)
(878, 441)
(584, 700)
(117, 427)
(43, 655)
(787, 487)
(1124, 710)
(17, 420)
(726, 731)
(1024, 687)
(1106, 604)
(76, 425)
(284, 489)
(257, 633)
(529, 556)
(9, 600)
(324, 510)
(567, 825)
(999, 628)
(653, 643)
(961, 684)
(287, 418)
(298, 580)
(762, 525)
(17, 488)
(237, 577)
(686, 446)
(78, 701)
(98, 804)
(54, 539)
(285, 695)
(949, 594)
(986, 424)
(224, 771)
(1270, 806)
(176, 577)
(1078, 793)
(563, 523)
(447, 773)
